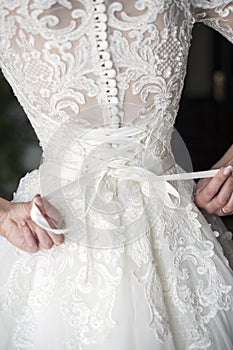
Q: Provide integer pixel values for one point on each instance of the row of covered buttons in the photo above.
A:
(108, 73)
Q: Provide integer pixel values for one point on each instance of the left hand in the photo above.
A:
(216, 195)
(18, 228)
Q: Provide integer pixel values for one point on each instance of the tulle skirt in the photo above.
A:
(170, 288)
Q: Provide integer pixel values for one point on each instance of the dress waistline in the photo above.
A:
(120, 169)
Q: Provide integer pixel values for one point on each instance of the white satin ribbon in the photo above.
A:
(142, 175)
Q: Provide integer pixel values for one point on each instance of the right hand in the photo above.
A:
(18, 228)
(215, 195)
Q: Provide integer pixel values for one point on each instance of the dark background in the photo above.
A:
(205, 119)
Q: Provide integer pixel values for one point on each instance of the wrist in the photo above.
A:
(227, 159)
(220, 165)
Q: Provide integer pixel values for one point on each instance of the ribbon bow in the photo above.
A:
(120, 170)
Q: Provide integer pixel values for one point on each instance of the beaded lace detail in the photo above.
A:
(63, 58)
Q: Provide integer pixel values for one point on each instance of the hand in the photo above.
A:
(216, 195)
(17, 226)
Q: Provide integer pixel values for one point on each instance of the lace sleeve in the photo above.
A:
(217, 14)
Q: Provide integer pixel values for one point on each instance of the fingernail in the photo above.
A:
(37, 200)
(60, 240)
(227, 170)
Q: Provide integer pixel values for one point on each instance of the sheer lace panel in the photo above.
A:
(49, 54)
(216, 14)
(58, 56)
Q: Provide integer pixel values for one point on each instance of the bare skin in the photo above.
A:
(216, 195)
(17, 226)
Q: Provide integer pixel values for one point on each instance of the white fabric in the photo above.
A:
(134, 273)
(131, 173)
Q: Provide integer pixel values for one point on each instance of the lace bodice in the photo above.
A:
(63, 57)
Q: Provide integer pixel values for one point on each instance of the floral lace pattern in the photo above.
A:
(49, 52)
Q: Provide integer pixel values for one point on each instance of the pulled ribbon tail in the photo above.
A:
(128, 173)
(171, 190)
(192, 175)
(40, 220)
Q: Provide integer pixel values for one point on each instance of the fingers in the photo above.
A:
(57, 239)
(36, 238)
(44, 241)
(47, 209)
(223, 200)
(30, 242)
(227, 209)
(214, 185)
(53, 216)
(216, 193)
(202, 184)
(20, 235)
(19, 229)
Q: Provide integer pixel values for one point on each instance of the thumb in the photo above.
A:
(39, 203)
(48, 210)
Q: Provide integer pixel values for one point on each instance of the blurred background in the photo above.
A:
(205, 119)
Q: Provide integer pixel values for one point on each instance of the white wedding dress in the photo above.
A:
(150, 274)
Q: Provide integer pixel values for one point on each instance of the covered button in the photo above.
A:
(100, 17)
(102, 45)
(110, 73)
(99, 8)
